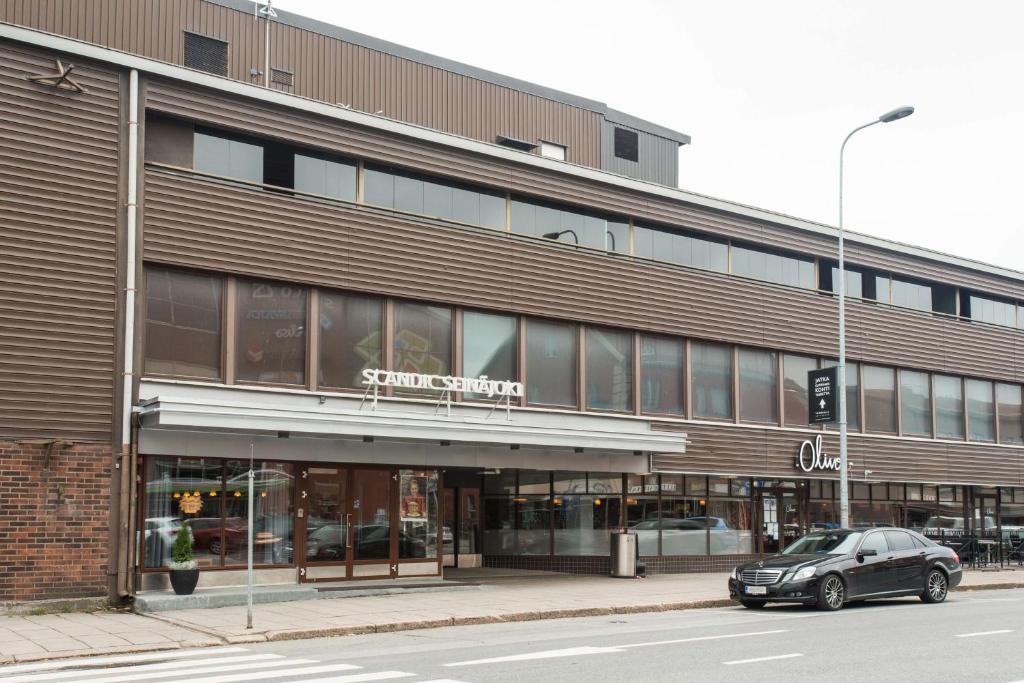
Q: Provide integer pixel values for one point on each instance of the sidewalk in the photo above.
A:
(508, 595)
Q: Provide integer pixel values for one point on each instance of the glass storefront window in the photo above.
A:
(272, 514)
(881, 514)
(980, 411)
(551, 363)
(642, 519)
(696, 485)
(488, 347)
(821, 514)
(711, 369)
(672, 484)
(423, 340)
(180, 490)
(328, 177)
(604, 483)
(759, 386)
(582, 523)
(418, 510)
(499, 535)
(880, 399)
(915, 403)
(609, 369)
(662, 360)
(350, 338)
(534, 482)
(730, 529)
(1011, 413)
(949, 407)
(183, 323)
(794, 388)
(570, 482)
(533, 525)
(500, 481)
(271, 329)
(684, 528)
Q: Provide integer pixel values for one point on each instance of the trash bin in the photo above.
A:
(624, 552)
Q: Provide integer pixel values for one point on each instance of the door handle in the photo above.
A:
(348, 530)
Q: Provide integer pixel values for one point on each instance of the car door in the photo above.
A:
(872, 573)
(908, 560)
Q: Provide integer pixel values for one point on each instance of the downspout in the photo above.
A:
(124, 567)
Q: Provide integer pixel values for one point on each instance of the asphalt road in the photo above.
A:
(973, 636)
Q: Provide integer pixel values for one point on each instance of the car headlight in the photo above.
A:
(735, 573)
(803, 574)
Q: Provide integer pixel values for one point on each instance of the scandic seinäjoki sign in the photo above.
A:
(415, 380)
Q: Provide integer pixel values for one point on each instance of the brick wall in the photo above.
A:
(53, 521)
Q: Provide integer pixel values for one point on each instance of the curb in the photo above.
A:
(989, 586)
(117, 650)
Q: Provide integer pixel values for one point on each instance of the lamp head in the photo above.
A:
(896, 114)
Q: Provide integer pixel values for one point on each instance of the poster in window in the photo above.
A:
(414, 506)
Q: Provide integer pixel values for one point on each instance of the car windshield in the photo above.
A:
(824, 543)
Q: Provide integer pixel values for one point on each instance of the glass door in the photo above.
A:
(322, 524)
(782, 518)
(369, 520)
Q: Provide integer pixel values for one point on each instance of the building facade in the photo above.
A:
(438, 346)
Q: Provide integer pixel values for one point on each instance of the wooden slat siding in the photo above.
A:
(326, 69)
(216, 226)
(58, 212)
(771, 453)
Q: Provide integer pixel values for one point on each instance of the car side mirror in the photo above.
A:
(866, 552)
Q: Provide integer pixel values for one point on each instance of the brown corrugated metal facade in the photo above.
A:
(63, 163)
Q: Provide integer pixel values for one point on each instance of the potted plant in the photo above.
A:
(184, 570)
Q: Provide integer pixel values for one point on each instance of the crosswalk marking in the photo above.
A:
(174, 666)
(360, 678)
(118, 659)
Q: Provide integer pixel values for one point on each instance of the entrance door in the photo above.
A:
(986, 528)
(781, 518)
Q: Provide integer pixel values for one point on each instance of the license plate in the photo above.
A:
(755, 590)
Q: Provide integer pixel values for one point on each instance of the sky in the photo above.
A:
(768, 91)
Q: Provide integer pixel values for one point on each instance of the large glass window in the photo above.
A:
(183, 320)
(1011, 415)
(609, 376)
(993, 311)
(184, 490)
(729, 526)
(911, 295)
(551, 363)
(418, 509)
(225, 156)
(880, 399)
(642, 516)
(794, 388)
(488, 347)
(949, 407)
(980, 411)
(662, 362)
(272, 512)
(271, 330)
(915, 403)
(662, 244)
(684, 526)
(852, 396)
(423, 339)
(583, 523)
(389, 188)
(324, 176)
(854, 283)
(759, 385)
(350, 338)
(770, 267)
(711, 369)
(572, 226)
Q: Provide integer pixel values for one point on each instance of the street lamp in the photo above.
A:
(844, 493)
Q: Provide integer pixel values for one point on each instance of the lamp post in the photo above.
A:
(844, 493)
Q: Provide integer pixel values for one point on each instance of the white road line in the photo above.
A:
(762, 659)
(982, 633)
(700, 638)
(546, 654)
(119, 659)
(182, 672)
(359, 678)
(175, 665)
(300, 672)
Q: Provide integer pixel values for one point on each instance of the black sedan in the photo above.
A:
(833, 567)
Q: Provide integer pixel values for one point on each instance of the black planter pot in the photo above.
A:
(184, 581)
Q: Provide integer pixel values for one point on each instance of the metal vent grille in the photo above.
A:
(760, 577)
(282, 77)
(206, 54)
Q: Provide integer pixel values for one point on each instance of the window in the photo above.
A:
(206, 54)
(423, 340)
(609, 375)
(911, 295)
(794, 388)
(272, 512)
(854, 282)
(350, 338)
(992, 311)
(627, 144)
(759, 386)
(661, 375)
(730, 528)
(1011, 414)
(271, 330)
(899, 540)
(711, 369)
(680, 248)
(915, 403)
(327, 177)
(488, 347)
(980, 411)
(551, 363)
(183, 321)
(880, 399)
(583, 523)
(852, 396)
(393, 189)
(178, 490)
(883, 289)
(876, 542)
(949, 407)
(571, 226)
(220, 155)
(770, 267)
(418, 507)
(552, 150)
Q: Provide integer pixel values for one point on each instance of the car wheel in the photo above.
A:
(831, 593)
(753, 604)
(936, 587)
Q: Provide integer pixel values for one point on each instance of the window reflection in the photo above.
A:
(271, 343)
(551, 363)
(663, 244)
(325, 176)
(223, 155)
(183, 321)
(434, 197)
(794, 388)
(880, 399)
(1011, 413)
(571, 226)
(272, 517)
(759, 386)
(488, 347)
(949, 407)
(980, 410)
(772, 267)
(661, 375)
(915, 403)
(350, 338)
(711, 367)
(423, 339)
(180, 490)
(609, 369)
